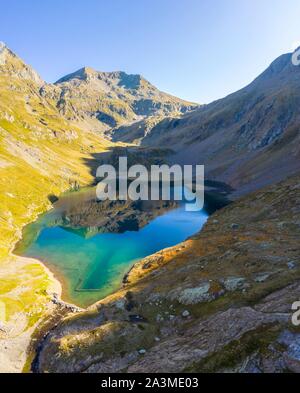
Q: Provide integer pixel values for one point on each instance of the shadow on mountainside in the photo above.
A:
(135, 155)
(217, 190)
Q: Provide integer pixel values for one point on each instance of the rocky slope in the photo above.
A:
(249, 139)
(134, 133)
(221, 301)
(103, 100)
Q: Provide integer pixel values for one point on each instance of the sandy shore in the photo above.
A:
(15, 336)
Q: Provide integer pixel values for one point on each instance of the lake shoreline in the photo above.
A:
(87, 265)
(60, 293)
(15, 348)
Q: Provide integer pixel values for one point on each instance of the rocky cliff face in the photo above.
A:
(248, 139)
(221, 301)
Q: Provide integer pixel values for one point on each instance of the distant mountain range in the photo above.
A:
(98, 101)
(248, 139)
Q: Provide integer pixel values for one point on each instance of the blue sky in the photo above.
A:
(199, 50)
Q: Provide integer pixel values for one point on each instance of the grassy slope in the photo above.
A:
(40, 154)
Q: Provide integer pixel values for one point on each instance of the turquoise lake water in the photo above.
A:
(91, 268)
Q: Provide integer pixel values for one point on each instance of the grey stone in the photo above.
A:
(234, 283)
(292, 353)
(159, 318)
(262, 277)
(292, 341)
(195, 295)
(291, 265)
(120, 304)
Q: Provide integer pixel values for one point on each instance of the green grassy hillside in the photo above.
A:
(40, 154)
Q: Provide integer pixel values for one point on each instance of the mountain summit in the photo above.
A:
(119, 78)
(13, 66)
(82, 74)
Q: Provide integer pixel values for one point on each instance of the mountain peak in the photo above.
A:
(87, 72)
(118, 79)
(83, 73)
(13, 65)
(2, 53)
(6, 53)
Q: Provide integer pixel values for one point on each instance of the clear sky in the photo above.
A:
(199, 50)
